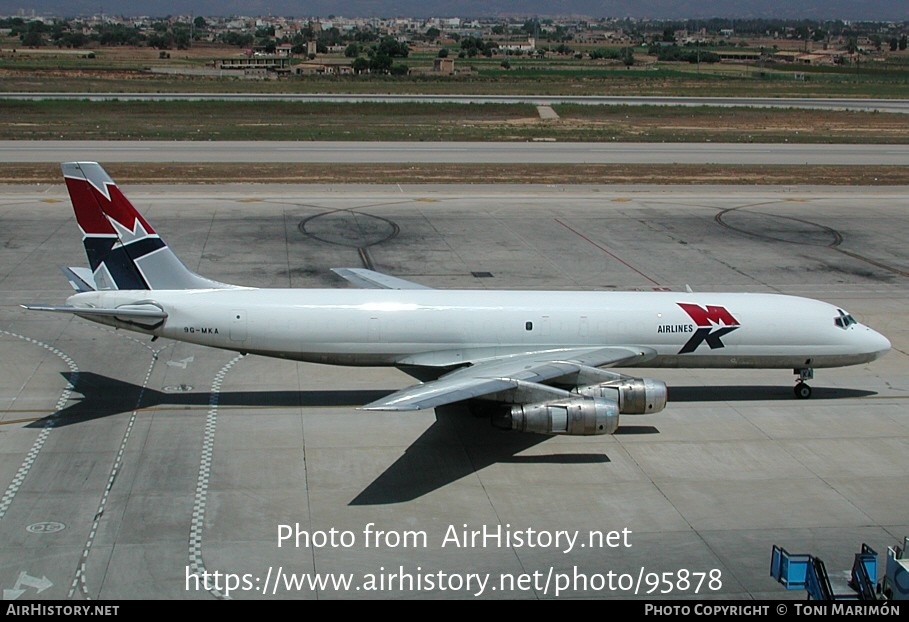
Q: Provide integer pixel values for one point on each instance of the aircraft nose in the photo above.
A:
(876, 343)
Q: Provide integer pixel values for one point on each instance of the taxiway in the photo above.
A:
(127, 466)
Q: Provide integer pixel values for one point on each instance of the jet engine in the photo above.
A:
(577, 416)
(635, 396)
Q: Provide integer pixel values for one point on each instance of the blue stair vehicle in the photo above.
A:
(809, 573)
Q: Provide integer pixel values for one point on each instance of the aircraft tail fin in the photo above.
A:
(123, 250)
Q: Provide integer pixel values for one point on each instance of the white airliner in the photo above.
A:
(539, 356)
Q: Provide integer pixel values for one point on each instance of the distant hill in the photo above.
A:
(871, 10)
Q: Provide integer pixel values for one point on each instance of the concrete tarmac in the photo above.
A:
(130, 468)
(447, 152)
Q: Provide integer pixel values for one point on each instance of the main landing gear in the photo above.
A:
(802, 390)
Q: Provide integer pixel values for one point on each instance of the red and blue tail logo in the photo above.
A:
(712, 323)
(123, 250)
(114, 234)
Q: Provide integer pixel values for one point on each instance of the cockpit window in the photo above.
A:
(844, 320)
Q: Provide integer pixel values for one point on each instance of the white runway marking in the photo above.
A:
(197, 564)
(79, 579)
(49, 423)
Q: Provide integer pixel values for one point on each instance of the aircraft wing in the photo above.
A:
(509, 372)
(370, 279)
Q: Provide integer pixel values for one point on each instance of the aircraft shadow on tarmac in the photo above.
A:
(455, 446)
(105, 397)
(458, 445)
(756, 393)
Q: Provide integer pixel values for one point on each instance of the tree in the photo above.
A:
(365, 36)
(118, 34)
(360, 64)
(161, 41)
(352, 50)
(379, 63)
(73, 39)
(902, 44)
(505, 64)
(32, 39)
(472, 46)
(443, 53)
(332, 36)
(182, 32)
(628, 56)
(433, 33)
(182, 39)
(562, 34)
(607, 53)
(391, 47)
(243, 40)
(200, 23)
(894, 42)
(58, 29)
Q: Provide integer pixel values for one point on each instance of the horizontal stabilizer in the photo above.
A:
(132, 312)
(369, 279)
(80, 279)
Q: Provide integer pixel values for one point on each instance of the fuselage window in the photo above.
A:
(528, 325)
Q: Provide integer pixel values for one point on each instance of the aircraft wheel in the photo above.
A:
(802, 391)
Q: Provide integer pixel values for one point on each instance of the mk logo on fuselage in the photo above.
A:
(712, 323)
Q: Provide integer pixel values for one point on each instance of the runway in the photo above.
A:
(809, 103)
(452, 152)
(130, 467)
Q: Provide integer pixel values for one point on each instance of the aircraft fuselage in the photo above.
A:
(438, 327)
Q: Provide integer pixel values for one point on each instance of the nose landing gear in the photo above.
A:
(802, 390)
